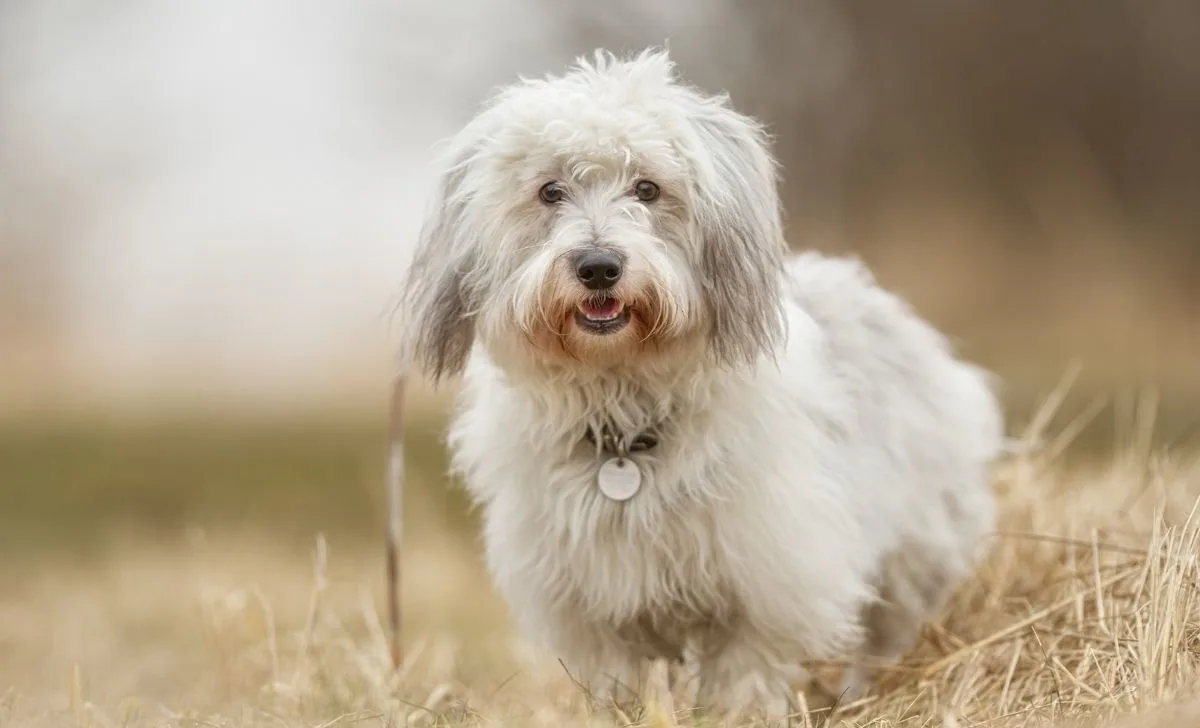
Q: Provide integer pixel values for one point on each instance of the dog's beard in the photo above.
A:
(601, 329)
(560, 321)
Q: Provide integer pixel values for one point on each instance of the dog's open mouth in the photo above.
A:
(601, 316)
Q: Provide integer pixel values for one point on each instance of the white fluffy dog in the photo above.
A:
(683, 442)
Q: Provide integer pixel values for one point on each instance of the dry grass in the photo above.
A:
(1087, 609)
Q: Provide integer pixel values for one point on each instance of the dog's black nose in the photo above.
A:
(598, 269)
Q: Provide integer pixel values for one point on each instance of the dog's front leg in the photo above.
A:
(596, 659)
(743, 679)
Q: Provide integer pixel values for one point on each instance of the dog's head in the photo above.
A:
(605, 218)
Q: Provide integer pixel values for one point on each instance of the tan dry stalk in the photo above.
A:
(395, 512)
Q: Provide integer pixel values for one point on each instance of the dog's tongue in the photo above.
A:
(601, 309)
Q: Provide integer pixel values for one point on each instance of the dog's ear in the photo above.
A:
(737, 211)
(440, 298)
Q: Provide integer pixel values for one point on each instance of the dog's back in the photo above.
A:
(916, 411)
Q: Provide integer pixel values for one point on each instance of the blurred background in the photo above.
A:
(206, 207)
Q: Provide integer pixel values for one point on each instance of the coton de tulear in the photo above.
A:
(683, 440)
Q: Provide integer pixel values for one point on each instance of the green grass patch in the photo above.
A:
(73, 484)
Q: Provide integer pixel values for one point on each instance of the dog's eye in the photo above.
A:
(646, 191)
(551, 193)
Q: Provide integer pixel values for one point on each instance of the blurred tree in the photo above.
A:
(32, 286)
(1002, 99)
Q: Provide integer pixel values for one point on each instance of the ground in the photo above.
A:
(1087, 608)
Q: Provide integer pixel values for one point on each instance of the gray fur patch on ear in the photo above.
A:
(742, 230)
(445, 325)
(439, 299)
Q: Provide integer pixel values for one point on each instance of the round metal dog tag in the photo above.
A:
(620, 479)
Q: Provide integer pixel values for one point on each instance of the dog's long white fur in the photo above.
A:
(821, 485)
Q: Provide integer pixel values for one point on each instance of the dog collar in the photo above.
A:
(616, 444)
(619, 477)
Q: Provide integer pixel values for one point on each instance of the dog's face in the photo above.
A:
(606, 218)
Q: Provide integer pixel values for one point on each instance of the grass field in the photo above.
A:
(120, 609)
